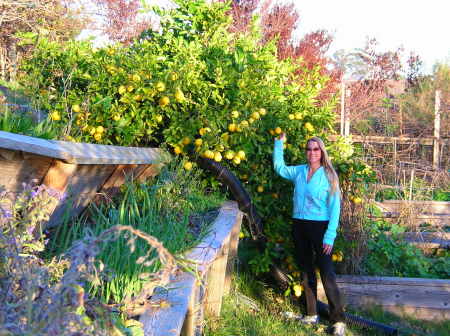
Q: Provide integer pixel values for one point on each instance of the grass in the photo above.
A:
(173, 208)
(240, 318)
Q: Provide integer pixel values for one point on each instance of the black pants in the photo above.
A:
(308, 240)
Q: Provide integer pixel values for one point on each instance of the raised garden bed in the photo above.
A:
(189, 296)
(77, 169)
(427, 299)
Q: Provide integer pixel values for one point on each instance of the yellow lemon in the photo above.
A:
(160, 86)
(236, 160)
(186, 140)
(244, 123)
(177, 150)
(173, 76)
(278, 130)
(229, 155)
(217, 157)
(209, 154)
(225, 136)
(122, 89)
(198, 142)
(136, 78)
(357, 200)
(97, 136)
(232, 127)
(234, 114)
(187, 165)
(272, 132)
(260, 189)
(92, 131)
(164, 101)
(55, 116)
(116, 117)
(251, 120)
(255, 115)
(262, 111)
(298, 116)
(309, 127)
(130, 88)
(76, 108)
(179, 96)
(241, 235)
(159, 118)
(241, 154)
(291, 117)
(100, 129)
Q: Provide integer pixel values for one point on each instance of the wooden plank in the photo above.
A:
(18, 168)
(232, 253)
(81, 153)
(425, 207)
(82, 187)
(388, 140)
(437, 128)
(427, 298)
(216, 281)
(169, 321)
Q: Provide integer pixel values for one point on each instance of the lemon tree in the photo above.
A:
(196, 87)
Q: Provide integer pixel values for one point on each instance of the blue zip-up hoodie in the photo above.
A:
(312, 200)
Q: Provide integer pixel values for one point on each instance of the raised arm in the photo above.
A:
(278, 160)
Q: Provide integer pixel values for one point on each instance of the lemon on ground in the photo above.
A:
(260, 189)
(262, 111)
(100, 129)
(291, 116)
(236, 160)
(136, 78)
(251, 120)
(278, 130)
(298, 116)
(158, 118)
(116, 117)
(164, 101)
(255, 115)
(92, 131)
(198, 142)
(130, 88)
(122, 89)
(234, 114)
(357, 200)
(186, 140)
(97, 136)
(187, 165)
(241, 235)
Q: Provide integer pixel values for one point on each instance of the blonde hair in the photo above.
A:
(325, 161)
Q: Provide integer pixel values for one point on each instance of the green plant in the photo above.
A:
(173, 207)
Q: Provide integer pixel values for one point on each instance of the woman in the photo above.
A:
(315, 220)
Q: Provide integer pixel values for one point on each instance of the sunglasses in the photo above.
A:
(315, 149)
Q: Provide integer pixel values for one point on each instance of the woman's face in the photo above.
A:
(313, 152)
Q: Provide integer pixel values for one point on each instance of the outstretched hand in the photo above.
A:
(327, 248)
(282, 137)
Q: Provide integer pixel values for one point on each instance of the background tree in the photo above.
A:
(55, 19)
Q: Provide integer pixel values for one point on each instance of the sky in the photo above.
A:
(419, 26)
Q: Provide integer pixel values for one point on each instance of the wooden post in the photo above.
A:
(347, 116)
(437, 127)
(216, 281)
(342, 107)
(394, 147)
(232, 254)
